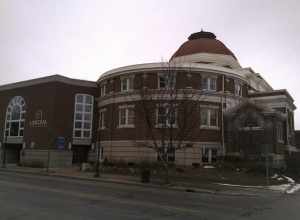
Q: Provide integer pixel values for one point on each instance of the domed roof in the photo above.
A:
(202, 42)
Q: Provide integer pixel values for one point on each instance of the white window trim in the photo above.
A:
(103, 89)
(209, 108)
(209, 82)
(129, 79)
(168, 86)
(82, 129)
(236, 85)
(126, 125)
(15, 101)
(102, 123)
(167, 125)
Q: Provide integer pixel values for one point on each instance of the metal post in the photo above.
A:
(4, 152)
(97, 173)
(48, 162)
(267, 165)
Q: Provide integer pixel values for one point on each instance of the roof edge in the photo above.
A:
(51, 78)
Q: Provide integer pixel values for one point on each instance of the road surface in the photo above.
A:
(30, 197)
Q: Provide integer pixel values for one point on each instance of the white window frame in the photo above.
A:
(83, 112)
(129, 83)
(167, 124)
(168, 84)
(238, 89)
(20, 102)
(126, 108)
(209, 110)
(209, 83)
(102, 114)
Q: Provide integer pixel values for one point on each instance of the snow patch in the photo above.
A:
(289, 179)
(293, 189)
(208, 167)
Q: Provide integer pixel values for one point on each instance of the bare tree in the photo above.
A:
(174, 109)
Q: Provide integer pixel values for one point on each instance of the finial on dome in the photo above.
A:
(202, 34)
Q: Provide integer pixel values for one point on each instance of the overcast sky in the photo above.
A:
(83, 39)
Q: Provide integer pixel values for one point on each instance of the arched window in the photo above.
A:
(15, 117)
(83, 116)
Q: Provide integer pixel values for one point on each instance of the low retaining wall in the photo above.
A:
(55, 158)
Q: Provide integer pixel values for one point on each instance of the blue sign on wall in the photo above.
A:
(60, 143)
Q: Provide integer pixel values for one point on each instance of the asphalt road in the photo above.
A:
(24, 196)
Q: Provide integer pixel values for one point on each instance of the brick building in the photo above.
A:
(187, 110)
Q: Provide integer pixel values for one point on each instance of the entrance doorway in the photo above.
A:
(80, 153)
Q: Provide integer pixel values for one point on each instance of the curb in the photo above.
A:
(166, 187)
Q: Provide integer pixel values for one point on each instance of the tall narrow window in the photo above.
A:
(102, 90)
(209, 83)
(83, 116)
(166, 80)
(15, 117)
(126, 83)
(208, 117)
(102, 118)
(126, 116)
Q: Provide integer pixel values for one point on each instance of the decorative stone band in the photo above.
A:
(216, 97)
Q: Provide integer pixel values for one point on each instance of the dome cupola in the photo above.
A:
(203, 47)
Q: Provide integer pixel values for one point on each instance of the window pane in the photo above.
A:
(130, 116)
(78, 124)
(14, 129)
(79, 107)
(79, 98)
(124, 84)
(87, 117)
(213, 84)
(21, 132)
(204, 83)
(77, 133)
(87, 125)
(213, 117)
(16, 113)
(78, 116)
(203, 117)
(88, 99)
(88, 108)
(162, 81)
(8, 116)
(86, 134)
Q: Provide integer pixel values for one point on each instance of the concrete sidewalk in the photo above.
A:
(75, 173)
